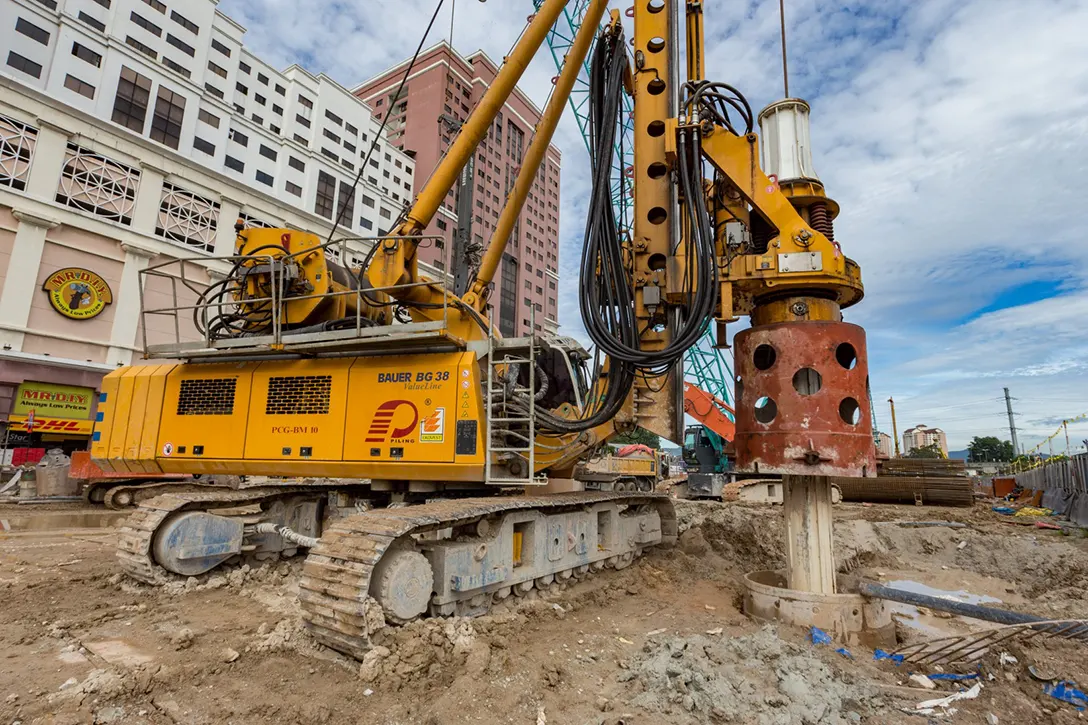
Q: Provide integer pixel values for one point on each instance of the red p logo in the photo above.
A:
(383, 421)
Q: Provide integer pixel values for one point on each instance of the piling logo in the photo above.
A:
(432, 429)
(383, 422)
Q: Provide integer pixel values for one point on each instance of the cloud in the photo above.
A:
(953, 134)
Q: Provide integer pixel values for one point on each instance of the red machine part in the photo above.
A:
(802, 406)
(709, 410)
(634, 448)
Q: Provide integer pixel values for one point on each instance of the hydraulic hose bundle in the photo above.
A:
(607, 290)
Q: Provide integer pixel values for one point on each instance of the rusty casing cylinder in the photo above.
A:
(802, 400)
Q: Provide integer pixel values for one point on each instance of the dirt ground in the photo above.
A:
(660, 642)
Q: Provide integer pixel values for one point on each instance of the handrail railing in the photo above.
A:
(206, 308)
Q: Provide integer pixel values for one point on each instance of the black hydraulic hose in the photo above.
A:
(612, 289)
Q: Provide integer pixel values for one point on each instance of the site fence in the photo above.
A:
(1064, 485)
(1070, 474)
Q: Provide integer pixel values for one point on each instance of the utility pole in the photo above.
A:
(895, 430)
(1012, 424)
(1065, 425)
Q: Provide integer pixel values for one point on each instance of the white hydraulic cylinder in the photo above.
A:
(785, 146)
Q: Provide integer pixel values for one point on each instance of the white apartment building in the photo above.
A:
(134, 132)
(921, 436)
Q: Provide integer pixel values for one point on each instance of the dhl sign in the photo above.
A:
(39, 424)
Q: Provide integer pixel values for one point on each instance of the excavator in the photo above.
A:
(704, 450)
(411, 451)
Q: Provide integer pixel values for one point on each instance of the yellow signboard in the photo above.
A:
(53, 401)
(77, 293)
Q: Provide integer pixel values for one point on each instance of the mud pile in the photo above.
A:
(756, 678)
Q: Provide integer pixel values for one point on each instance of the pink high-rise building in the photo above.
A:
(438, 96)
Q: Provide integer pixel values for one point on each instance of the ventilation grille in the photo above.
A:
(211, 396)
(299, 395)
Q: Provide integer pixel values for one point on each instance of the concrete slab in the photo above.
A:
(119, 653)
(84, 518)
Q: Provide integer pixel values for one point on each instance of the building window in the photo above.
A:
(244, 67)
(238, 137)
(232, 163)
(330, 135)
(97, 185)
(515, 141)
(181, 45)
(328, 114)
(326, 192)
(104, 3)
(351, 129)
(74, 84)
(347, 164)
(208, 118)
(87, 55)
(276, 109)
(217, 69)
(280, 89)
(130, 105)
(26, 65)
(241, 89)
(301, 139)
(296, 163)
(220, 47)
(187, 218)
(145, 49)
(146, 24)
(306, 102)
(329, 154)
(366, 223)
(293, 188)
(252, 222)
(368, 201)
(157, 5)
(166, 122)
(213, 90)
(349, 147)
(259, 99)
(265, 179)
(184, 22)
(257, 119)
(441, 223)
(180, 70)
(303, 120)
(201, 145)
(51, 4)
(267, 152)
(17, 142)
(32, 31)
(274, 128)
(93, 22)
(508, 296)
(345, 210)
(262, 79)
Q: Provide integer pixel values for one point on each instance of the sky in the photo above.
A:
(953, 133)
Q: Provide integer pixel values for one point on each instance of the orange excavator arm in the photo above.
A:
(709, 410)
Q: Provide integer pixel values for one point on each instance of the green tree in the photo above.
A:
(989, 448)
(639, 435)
(933, 450)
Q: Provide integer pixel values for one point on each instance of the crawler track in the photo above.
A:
(135, 537)
(337, 574)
